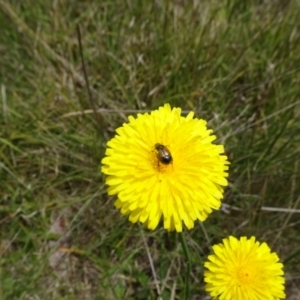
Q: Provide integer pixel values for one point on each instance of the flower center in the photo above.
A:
(244, 275)
(160, 167)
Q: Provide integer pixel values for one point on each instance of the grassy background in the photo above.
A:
(235, 63)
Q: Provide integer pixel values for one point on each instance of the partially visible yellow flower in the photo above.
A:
(244, 270)
(163, 165)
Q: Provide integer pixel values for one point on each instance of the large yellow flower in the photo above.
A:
(244, 270)
(163, 164)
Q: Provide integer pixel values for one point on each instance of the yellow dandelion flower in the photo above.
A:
(165, 165)
(244, 270)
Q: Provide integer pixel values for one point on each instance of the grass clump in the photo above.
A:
(234, 63)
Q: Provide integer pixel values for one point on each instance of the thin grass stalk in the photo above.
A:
(188, 266)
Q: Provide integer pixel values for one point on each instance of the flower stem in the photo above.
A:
(188, 266)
